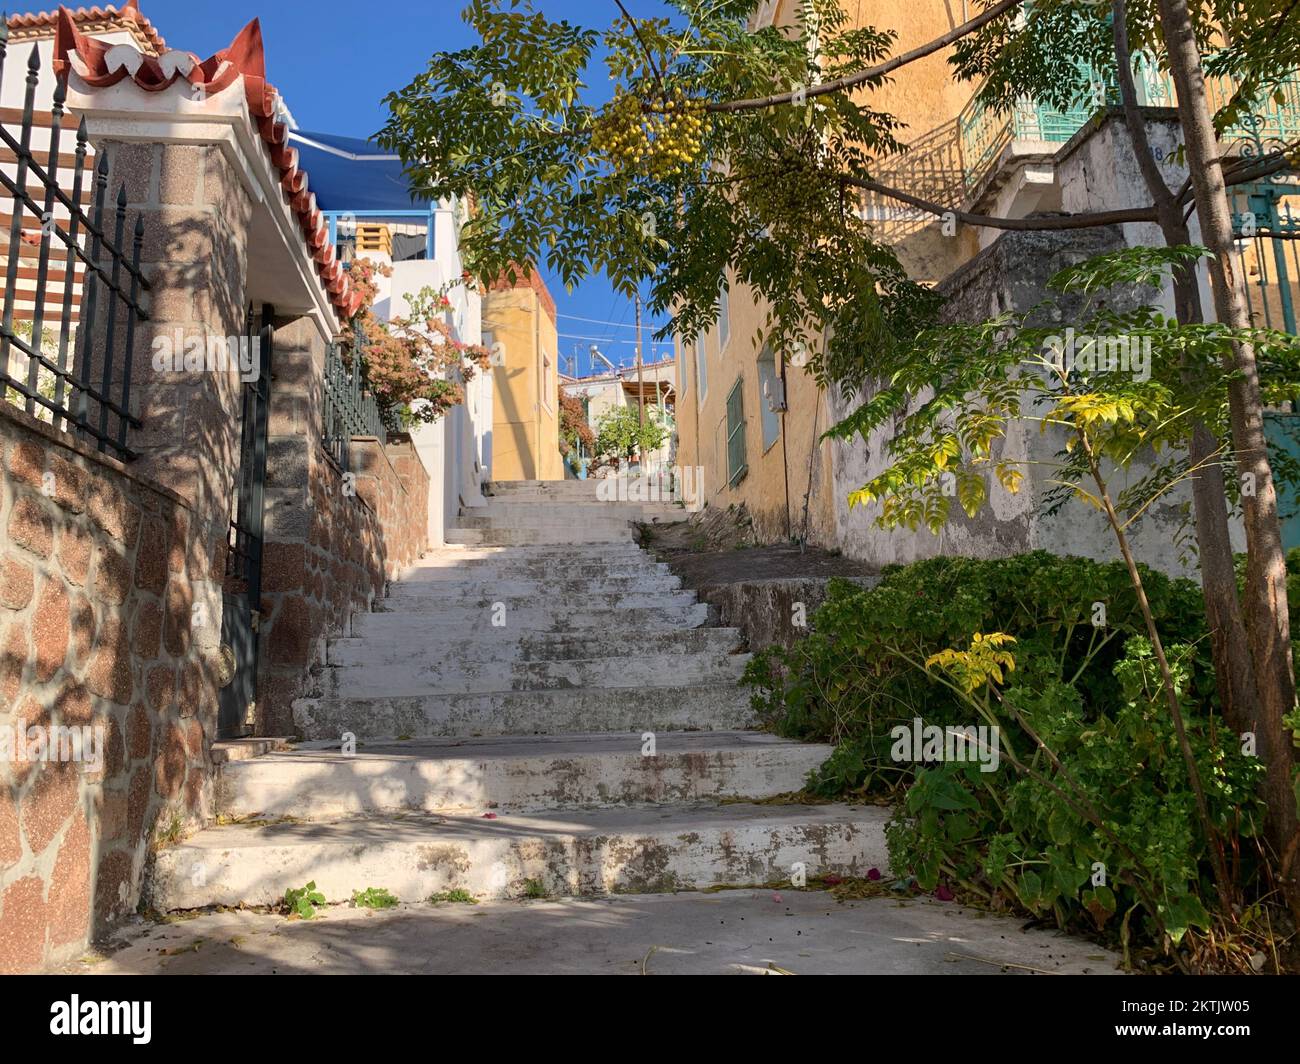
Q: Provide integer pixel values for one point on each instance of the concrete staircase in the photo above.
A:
(538, 708)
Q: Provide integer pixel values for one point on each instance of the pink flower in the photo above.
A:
(873, 874)
(942, 893)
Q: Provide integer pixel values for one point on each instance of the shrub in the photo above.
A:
(861, 670)
(1088, 818)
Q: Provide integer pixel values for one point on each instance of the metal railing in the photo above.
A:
(350, 409)
(985, 133)
(91, 396)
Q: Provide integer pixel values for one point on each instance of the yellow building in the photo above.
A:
(519, 329)
(748, 419)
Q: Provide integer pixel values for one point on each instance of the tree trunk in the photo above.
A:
(1228, 644)
(1267, 621)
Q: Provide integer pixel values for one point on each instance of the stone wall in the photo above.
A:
(363, 528)
(111, 574)
(1010, 276)
(391, 480)
(100, 570)
(332, 539)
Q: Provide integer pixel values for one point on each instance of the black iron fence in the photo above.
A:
(350, 408)
(78, 342)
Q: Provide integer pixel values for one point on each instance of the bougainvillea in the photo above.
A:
(574, 430)
(415, 368)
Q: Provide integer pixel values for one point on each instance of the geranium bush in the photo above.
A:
(415, 368)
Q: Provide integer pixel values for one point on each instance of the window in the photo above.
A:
(724, 318)
(737, 466)
(702, 367)
(771, 397)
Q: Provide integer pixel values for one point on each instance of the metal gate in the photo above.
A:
(1268, 234)
(242, 590)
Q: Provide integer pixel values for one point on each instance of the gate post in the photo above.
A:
(204, 158)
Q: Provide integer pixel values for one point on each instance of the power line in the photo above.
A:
(599, 321)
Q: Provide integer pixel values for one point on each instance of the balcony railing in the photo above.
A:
(985, 134)
(350, 408)
(949, 165)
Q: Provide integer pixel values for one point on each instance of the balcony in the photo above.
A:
(954, 164)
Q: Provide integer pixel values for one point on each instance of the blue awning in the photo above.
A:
(349, 174)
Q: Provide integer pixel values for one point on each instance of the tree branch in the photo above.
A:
(641, 40)
(851, 81)
(1137, 127)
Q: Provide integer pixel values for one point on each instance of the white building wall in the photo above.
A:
(456, 449)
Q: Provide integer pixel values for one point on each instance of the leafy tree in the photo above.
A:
(620, 433)
(735, 156)
(1053, 53)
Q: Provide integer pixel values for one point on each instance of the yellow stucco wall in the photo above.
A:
(925, 96)
(525, 414)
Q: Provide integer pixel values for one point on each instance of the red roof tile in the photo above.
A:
(43, 22)
(243, 57)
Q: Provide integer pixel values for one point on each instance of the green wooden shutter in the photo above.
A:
(736, 463)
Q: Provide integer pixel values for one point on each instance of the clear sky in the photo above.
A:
(335, 61)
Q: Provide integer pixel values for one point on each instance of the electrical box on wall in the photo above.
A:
(774, 393)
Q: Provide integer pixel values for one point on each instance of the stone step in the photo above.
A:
(511, 537)
(636, 511)
(540, 618)
(437, 672)
(503, 646)
(631, 511)
(580, 709)
(588, 523)
(456, 554)
(556, 487)
(512, 585)
(514, 774)
(486, 597)
(571, 852)
(535, 569)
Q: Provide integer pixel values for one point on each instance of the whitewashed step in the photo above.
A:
(588, 524)
(538, 618)
(441, 674)
(551, 487)
(534, 569)
(634, 511)
(642, 850)
(559, 602)
(509, 537)
(708, 707)
(503, 646)
(531, 553)
(512, 774)
(515, 586)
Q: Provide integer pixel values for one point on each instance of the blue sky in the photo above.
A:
(334, 62)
